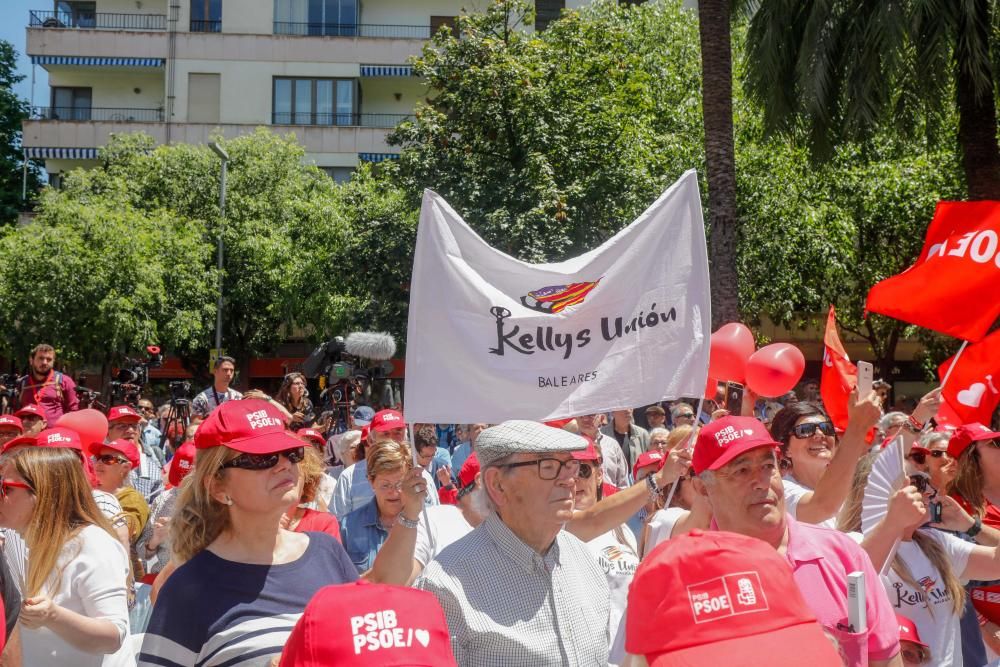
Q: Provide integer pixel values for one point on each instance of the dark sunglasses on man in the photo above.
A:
(809, 428)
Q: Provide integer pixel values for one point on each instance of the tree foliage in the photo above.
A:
(13, 110)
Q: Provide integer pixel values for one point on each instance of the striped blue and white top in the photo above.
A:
(214, 612)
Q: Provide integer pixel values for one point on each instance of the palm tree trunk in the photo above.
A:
(717, 112)
(977, 114)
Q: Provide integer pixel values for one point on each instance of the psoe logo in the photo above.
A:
(556, 298)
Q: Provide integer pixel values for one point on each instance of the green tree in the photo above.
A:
(13, 110)
(849, 67)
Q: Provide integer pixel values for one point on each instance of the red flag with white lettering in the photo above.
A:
(973, 390)
(839, 375)
(953, 286)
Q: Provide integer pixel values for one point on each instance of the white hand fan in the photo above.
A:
(888, 475)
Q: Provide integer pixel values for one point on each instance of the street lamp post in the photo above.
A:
(224, 157)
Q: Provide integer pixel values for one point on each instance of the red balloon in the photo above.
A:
(731, 347)
(711, 389)
(775, 369)
(91, 424)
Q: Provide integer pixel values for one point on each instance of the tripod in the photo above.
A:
(178, 419)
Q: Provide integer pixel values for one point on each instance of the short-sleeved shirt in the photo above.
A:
(509, 606)
(821, 559)
(208, 400)
(438, 529)
(214, 612)
(794, 491)
(55, 395)
(363, 535)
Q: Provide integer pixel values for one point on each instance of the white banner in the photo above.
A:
(492, 338)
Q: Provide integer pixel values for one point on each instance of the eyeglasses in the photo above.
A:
(109, 459)
(8, 484)
(387, 487)
(921, 457)
(915, 655)
(586, 470)
(549, 469)
(809, 428)
(685, 415)
(264, 461)
(992, 443)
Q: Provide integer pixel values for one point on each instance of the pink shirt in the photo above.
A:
(821, 559)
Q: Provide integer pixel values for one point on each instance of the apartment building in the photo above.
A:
(333, 72)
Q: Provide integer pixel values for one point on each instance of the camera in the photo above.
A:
(8, 382)
(128, 381)
(179, 390)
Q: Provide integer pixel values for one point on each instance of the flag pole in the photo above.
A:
(954, 363)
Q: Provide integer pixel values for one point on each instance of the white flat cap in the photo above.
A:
(516, 435)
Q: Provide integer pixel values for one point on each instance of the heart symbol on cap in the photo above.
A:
(423, 637)
(748, 431)
(972, 396)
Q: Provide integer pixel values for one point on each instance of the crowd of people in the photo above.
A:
(665, 535)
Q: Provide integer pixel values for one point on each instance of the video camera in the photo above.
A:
(179, 390)
(129, 380)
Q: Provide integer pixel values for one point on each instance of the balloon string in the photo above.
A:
(688, 446)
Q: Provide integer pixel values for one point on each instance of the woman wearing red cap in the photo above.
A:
(242, 581)
(75, 597)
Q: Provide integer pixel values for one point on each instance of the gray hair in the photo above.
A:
(885, 423)
(487, 498)
(677, 408)
(659, 430)
(928, 439)
(345, 441)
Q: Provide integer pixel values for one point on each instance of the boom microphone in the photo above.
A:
(370, 345)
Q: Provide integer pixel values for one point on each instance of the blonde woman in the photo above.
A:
(241, 581)
(75, 609)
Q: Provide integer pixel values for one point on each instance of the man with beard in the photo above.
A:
(736, 461)
(46, 387)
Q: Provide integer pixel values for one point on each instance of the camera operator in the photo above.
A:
(208, 400)
(46, 387)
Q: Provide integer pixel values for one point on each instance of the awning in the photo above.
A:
(38, 152)
(386, 70)
(377, 157)
(93, 61)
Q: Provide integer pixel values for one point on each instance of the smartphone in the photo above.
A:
(935, 511)
(866, 375)
(734, 398)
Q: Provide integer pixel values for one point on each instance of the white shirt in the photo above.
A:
(661, 526)
(615, 465)
(92, 572)
(618, 557)
(794, 490)
(439, 527)
(941, 631)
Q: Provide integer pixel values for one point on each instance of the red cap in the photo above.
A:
(370, 625)
(252, 426)
(467, 475)
(19, 441)
(724, 439)
(650, 458)
(365, 432)
(966, 434)
(30, 410)
(8, 422)
(908, 631)
(312, 435)
(387, 420)
(588, 454)
(59, 436)
(126, 448)
(742, 600)
(181, 464)
(559, 423)
(123, 413)
(986, 600)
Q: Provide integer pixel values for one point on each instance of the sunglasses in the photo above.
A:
(915, 655)
(7, 484)
(808, 429)
(685, 415)
(921, 458)
(110, 459)
(264, 461)
(586, 470)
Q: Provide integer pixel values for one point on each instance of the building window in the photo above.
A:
(206, 15)
(438, 21)
(70, 103)
(547, 11)
(335, 18)
(77, 14)
(299, 101)
(339, 174)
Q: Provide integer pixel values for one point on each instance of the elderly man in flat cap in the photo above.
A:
(519, 590)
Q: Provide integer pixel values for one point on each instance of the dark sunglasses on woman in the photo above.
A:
(264, 461)
(808, 429)
(921, 458)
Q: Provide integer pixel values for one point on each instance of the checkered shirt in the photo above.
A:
(507, 606)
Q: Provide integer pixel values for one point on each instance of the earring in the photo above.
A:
(229, 501)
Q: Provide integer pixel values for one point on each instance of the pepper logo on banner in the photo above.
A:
(492, 338)
(556, 299)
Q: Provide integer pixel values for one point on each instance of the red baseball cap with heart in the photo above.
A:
(370, 625)
(966, 434)
(727, 599)
(312, 435)
(123, 413)
(126, 448)
(181, 464)
(252, 426)
(31, 410)
(59, 437)
(387, 420)
(908, 631)
(650, 458)
(10, 422)
(19, 441)
(724, 439)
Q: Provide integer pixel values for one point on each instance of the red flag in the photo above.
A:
(839, 376)
(973, 389)
(952, 288)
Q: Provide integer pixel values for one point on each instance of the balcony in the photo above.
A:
(112, 115)
(422, 32)
(379, 120)
(206, 25)
(96, 21)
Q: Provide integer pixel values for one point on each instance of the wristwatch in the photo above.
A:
(977, 526)
(407, 523)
